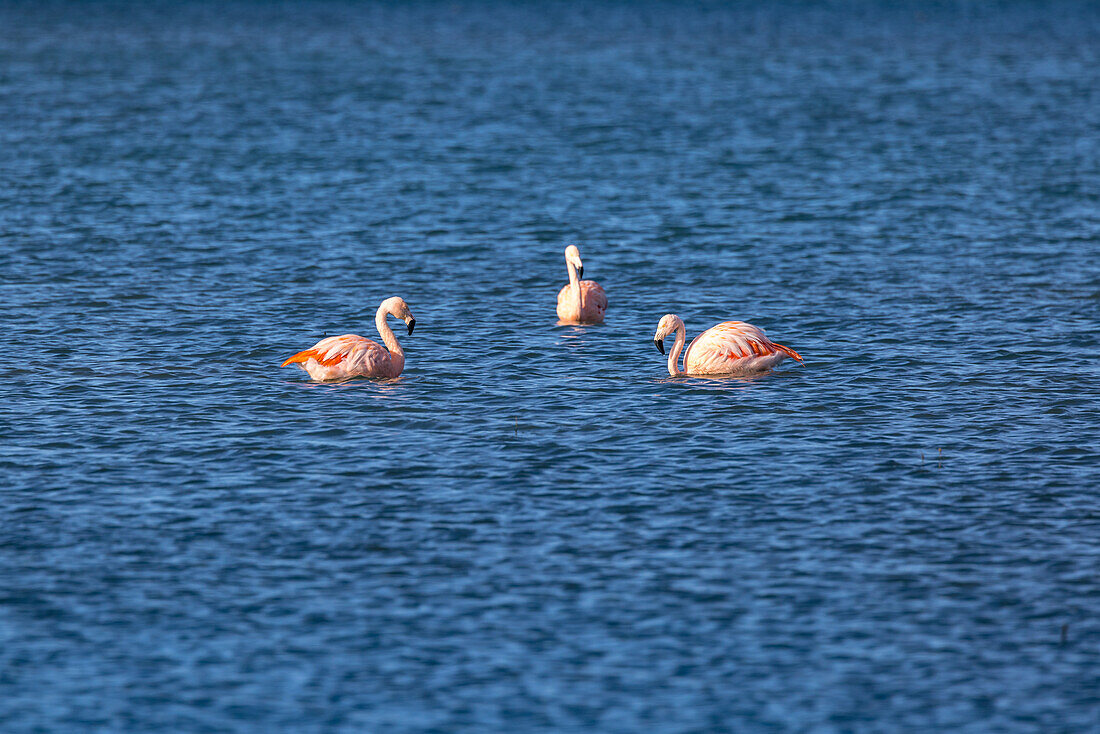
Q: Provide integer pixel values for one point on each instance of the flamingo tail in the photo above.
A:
(789, 352)
(299, 358)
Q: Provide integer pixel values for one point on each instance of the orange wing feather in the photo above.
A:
(329, 351)
(318, 355)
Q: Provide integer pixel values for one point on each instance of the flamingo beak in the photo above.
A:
(660, 344)
(580, 273)
(412, 323)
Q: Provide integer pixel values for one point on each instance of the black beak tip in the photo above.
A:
(580, 273)
(660, 344)
(412, 323)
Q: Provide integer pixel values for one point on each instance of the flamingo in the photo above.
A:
(582, 301)
(341, 357)
(731, 347)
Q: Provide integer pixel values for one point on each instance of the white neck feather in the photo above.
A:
(396, 353)
(574, 283)
(674, 355)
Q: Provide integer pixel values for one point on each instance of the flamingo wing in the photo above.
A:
(563, 294)
(592, 296)
(734, 346)
(327, 352)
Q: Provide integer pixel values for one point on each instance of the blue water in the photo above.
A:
(535, 528)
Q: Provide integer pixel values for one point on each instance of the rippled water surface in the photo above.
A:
(535, 528)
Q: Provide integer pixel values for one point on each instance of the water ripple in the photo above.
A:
(535, 528)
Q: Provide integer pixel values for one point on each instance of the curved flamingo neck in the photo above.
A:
(674, 355)
(397, 354)
(574, 284)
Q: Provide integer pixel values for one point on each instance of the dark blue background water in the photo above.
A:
(535, 528)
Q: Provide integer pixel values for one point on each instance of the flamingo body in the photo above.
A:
(580, 301)
(730, 348)
(592, 306)
(351, 355)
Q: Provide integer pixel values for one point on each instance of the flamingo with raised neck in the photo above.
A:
(341, 357)
(581, 301)
(730, 348)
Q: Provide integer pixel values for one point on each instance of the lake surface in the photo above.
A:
(535, 528)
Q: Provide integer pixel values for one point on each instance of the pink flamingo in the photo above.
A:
(582, 301)
(731, 347)
(341, 357)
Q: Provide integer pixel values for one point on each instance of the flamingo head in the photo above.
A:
(400, 309)
(669, 324)
(573, 256)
